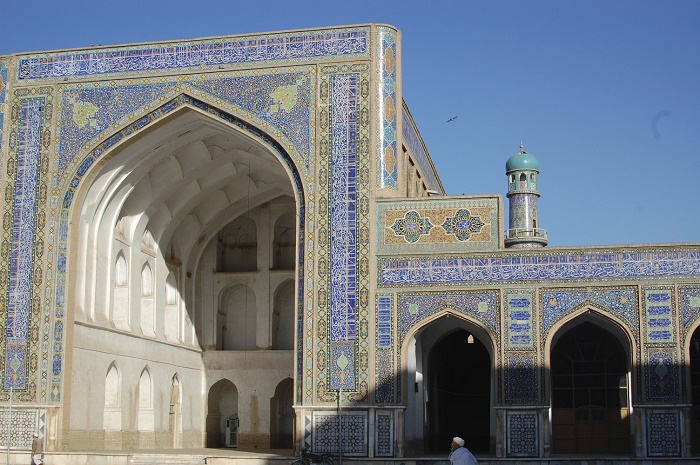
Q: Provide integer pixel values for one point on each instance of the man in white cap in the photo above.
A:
(460, 455)
(37, 450)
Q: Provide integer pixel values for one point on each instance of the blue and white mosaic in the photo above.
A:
(284, 48)
(661, 375)
(659, 315)
(485, 269)
(518, 320)
(387, 158)
(690, 305)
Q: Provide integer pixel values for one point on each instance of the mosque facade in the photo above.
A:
(243, 241)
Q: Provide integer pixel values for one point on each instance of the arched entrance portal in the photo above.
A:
(695, 390)
(459, 375)
(590, 392)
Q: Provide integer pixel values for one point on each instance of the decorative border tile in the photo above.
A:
(280, 48)
(522, 434)
(387, 156)
(540, 267)
(385, 368)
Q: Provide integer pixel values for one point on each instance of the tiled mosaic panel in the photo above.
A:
(543, 266)
(557, 304)
(416, 307)
(522, 208)
(333, 430)
(25, 363)
(522, 434)
(414, 143)
(663, 434)
(659, 315)
(519, 320)
(384, 439)
(521, 378)
(342, 358)
(690, 305)
(387, 171)
(438, 225)
(3, 109)
(386, 374)
(19, 425)
(207, 53)
(661, 375)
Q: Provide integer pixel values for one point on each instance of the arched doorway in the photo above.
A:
(590, 392)
(222, 403)
(459, 392)
(695, 390)
(282, 416)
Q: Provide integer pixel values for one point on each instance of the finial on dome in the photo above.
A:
(521, 147)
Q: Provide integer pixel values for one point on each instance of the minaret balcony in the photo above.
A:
(524, 235)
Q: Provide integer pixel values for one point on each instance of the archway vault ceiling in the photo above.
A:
(186, 179)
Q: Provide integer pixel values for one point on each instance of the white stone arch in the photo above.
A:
(238, 306)
(147, 314)
(145, 405)
(283, 316)
(112, 415)
(171, 310)
(416, 344)
(120, 294)
(175, 412)
(284, 241)
(103, 215)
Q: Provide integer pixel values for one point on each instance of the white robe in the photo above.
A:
(462, 456)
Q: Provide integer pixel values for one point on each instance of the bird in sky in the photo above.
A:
(452, 119)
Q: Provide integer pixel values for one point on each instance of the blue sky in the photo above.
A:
(606, 94)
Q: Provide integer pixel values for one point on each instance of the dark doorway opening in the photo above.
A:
(695, 390)
(590, 408)
(459, 400)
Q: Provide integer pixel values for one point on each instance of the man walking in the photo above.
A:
(37, 450)
(460, 455)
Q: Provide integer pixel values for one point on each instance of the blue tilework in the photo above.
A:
(88, 111)
(284, 100)
(414, 142)
(21, 259)
(519, 326)
(556, 304)
(661, 375)
(649, 263)
(659, 314)
(343, 254)
(415, 307)
(690, 305)
(3, 93)
(521, 384)
(387, 157)
(663, 430)
(283, 47)
(384, 362)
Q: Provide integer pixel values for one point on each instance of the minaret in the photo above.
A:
(522, 170)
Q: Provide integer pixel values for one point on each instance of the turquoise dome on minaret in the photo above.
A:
(522, 161)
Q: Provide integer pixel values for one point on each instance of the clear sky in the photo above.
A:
(606, 94)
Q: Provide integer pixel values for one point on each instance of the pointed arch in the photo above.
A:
(589, 356)
(112, 415)
(148, 316)
(283, 316)
(120, 300)
(428, 405)
(222, 402)
(146, 411)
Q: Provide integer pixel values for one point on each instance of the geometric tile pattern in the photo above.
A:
(521, 378)
(3, 109)
(463, 224)
(663, 434)
(690, 305)
(411, 226)
(522, 434)
(385, 434)
(350, 433)
(661, 375)
(20, 425)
